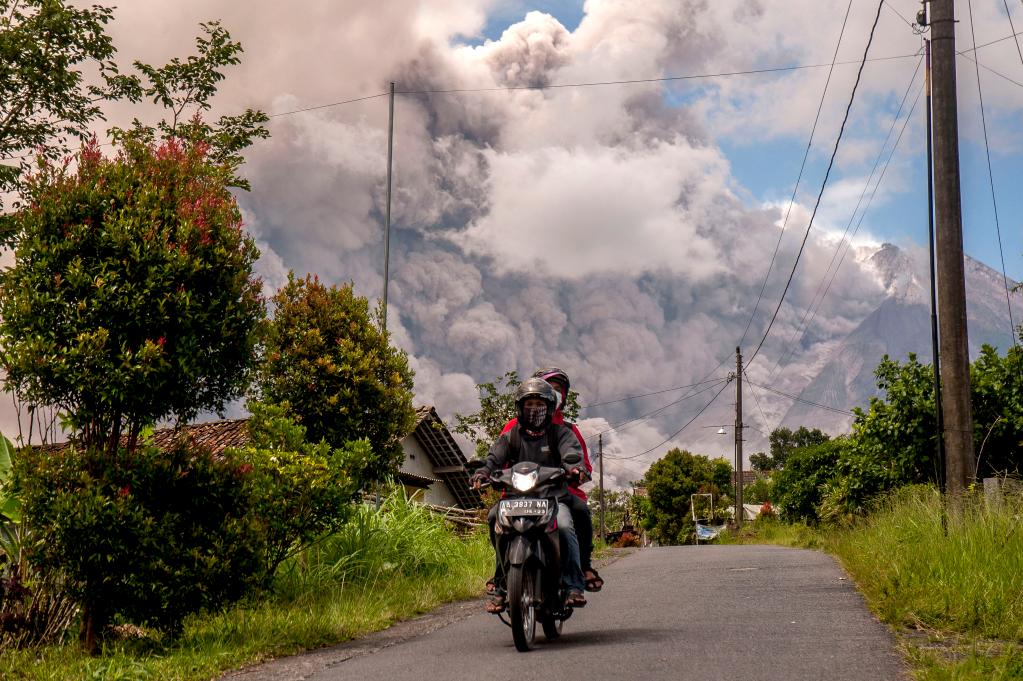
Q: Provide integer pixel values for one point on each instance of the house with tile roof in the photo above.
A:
(433, 471)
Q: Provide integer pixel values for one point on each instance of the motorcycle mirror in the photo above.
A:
(572, 458)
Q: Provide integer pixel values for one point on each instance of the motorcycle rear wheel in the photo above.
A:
(552, 627)
(522, 606)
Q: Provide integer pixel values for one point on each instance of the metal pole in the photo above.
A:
(739, 512)
(935, 354)
(387, 218)
(953, 341)
(600, 464)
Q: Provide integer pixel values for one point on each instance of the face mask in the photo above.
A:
(534, 416)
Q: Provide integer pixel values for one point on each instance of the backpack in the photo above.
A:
(515, 442)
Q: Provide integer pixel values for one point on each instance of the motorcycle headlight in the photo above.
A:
(524, 482)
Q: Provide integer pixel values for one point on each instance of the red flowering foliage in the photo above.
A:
(132, 296)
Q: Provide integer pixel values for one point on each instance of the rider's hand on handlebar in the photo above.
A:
(574, 474)
(479, 478)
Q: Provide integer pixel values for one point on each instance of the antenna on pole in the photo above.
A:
(387, 214)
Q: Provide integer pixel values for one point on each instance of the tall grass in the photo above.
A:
(384, 565)
(967, 578)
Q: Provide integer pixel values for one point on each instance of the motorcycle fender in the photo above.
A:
(519, 551)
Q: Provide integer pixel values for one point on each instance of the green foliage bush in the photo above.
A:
(328, 360)
(670, 481)
(132, 296)
(300, 491)
(148, 536)
(799, 487)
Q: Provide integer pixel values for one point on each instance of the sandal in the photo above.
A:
(594, 582)
(575, 599)
(495, 598)
(494, 604)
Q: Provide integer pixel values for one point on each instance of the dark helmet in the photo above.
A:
(535, 421)
(555, 374)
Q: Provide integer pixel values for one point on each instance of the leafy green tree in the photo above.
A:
(761, 462)
(799, 487)
(132, 296)
(996, 389)
(670, 481)
(45, 103)
(497, 407)
(327, 358)
(185, 88)
(785, 440)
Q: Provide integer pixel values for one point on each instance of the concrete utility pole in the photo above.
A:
(954, 348)
(600, 465)
(935, 350)
(739, 511)
(387, 215)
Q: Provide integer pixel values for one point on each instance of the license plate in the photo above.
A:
(525, 506)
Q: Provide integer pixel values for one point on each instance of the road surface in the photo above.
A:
(700, 613)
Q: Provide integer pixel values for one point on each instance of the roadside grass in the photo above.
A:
(382, 567)
(954, 597)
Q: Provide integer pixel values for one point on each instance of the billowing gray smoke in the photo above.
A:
(599, 229)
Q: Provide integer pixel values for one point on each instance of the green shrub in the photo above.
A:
(799, 487)
(149, 537)
(299, 491)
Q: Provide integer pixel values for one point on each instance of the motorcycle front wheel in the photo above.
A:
(522, 606)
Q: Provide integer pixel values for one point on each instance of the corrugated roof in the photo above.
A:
(448, 460)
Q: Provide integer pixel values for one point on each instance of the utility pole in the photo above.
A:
(954, 349)
(739, 511)
(935, 354)
(600, 465)
(387, 214)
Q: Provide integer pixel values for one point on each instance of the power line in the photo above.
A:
(327, 106)
(804, 325)
(799, 177)
(675, 434)
(991, 178)
(625, 424)
(800, 399)
(1012, 27)
(824, 184)
(755, 399)
(638, 81)
(656, 392)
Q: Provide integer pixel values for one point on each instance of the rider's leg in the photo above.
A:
(583, 521)
(571, 572)
(498, 578)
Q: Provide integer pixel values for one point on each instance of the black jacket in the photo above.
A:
(534, 448)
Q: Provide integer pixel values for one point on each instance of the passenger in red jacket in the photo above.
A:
(581, 516)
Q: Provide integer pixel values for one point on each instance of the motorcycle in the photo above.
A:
(527, 541)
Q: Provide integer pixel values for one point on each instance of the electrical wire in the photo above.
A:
(799, 177)
(991, 180)
(846, 240)
(824, 184)
(800, 399)
(1012, 27)
(673, 435)
(656, 392)
(755, 399)
(633, 421)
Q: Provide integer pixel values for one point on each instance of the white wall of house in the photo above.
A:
(418, 462)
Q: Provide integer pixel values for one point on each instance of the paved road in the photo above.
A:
(735, 613)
